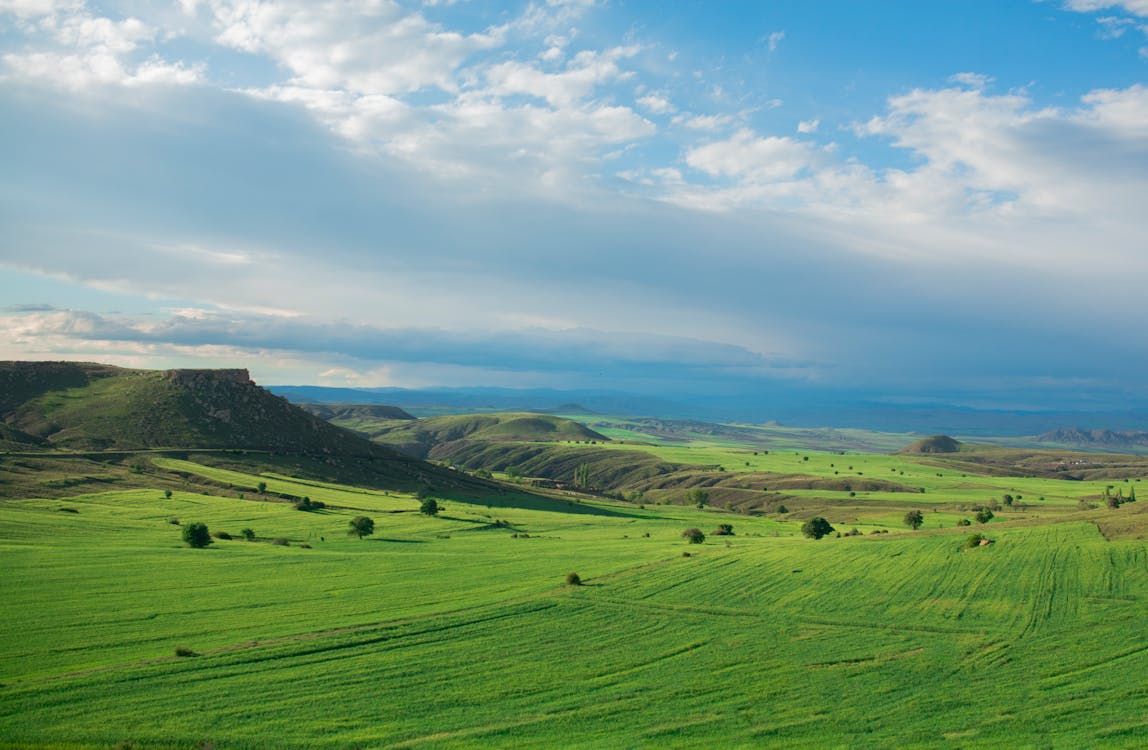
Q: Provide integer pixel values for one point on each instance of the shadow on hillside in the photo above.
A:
(395, 541)
(526, 501)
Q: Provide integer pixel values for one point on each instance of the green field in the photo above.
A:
(458, 630)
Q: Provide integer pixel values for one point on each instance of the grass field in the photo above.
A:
(451, 631)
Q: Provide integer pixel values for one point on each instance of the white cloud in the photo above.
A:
(365, 48)
(656, 104)
(972, 80)
(808, 126)
(708, 123)
(79, 50)
(745, 155)
(774, 39)
(1136, 7)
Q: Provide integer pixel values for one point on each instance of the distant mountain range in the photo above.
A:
(793, 408)
(1081, 438)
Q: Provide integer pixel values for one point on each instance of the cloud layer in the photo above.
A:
(402, 193)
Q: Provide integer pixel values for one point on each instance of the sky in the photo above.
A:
(893, 200)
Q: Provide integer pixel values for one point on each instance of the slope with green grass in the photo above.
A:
(419, 437)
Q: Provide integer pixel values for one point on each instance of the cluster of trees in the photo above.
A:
(1112, 502)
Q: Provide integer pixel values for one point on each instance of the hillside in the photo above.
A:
(417, 438)
(932, 444)
(355, 412)
(79, 406)
(1076, 437)
(99, 415)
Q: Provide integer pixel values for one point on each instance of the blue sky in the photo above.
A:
(936, 202)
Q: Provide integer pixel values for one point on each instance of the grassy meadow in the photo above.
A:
(459, 630)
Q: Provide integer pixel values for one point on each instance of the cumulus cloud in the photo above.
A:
(1136, 7)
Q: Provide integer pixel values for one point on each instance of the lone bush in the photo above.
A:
(429, 507)
(196, 535)
(914, 519)
(984, 515)
(964, 522)
(248, 534)
(361, 526)
(974, 540)
(573, 579)
(815, 528)
(693, 536)
(222, 535)
(184, 651)
(723, 529)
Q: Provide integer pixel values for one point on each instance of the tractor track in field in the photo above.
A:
(545, 599)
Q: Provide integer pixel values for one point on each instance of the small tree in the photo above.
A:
(974, 540)
(196, 535)
(361, 526)
(984, 515)
(914, 519)
(429, 507)
(815, 528)
(573, 579)
(693, 536)
(262, 487)
(248, 534)
(699, 497)
(167, 494)
(723, 529)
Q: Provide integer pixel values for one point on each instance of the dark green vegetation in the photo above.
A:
(934, 444)
(468, 628)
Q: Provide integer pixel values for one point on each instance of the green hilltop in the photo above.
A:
(419, 437)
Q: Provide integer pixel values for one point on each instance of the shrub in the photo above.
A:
(964, 522)
(222, 535)
(815, 528)
(984, 515)
(974, 540)
(699, 497)
(184, 651)
(429, 507)
(573, 579)
(693, 536)
(308, 504)
(686, 554)
(196, 535)
(723, 529)
(281, 542)
(782, 509)
(68, 510)
(173, 521)
(167, 494)
(361, 526)
(262, 487)
(914, 519)
(248, 534)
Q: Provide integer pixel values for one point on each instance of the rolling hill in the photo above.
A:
(418, 437)
(103, 414)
